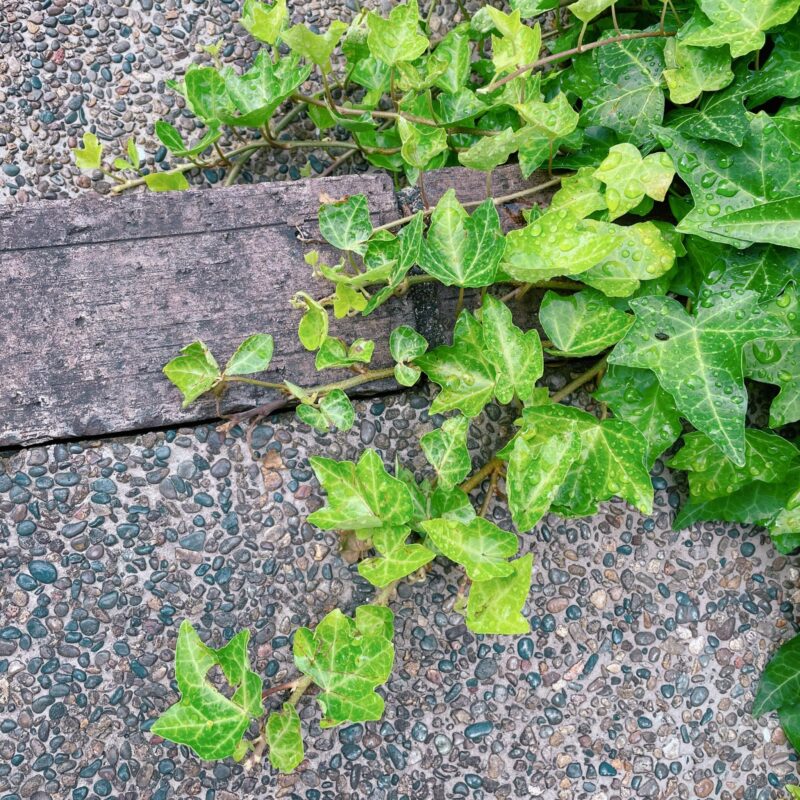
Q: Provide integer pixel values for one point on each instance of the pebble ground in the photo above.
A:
(636, 680)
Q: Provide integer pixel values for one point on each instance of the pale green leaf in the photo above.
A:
(454, 51)
(262, 21)
(313, 328)
(397, 559)
(398, 37)
(334, 353)
(583, 323)
(420, 143)
(346, 224)
(490, 152)
(587, 10)
(90, 155)
(166, 181)
(252, 355)
(194, 372)
(316, 47)
(446, 450)
(517, 44)
(694, 70)
(284, 740)
(580, 194)
(495, 606)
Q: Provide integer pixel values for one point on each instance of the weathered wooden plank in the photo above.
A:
(100, 294)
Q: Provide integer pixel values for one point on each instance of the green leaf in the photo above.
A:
(611, 462)
(531, 8)
(207, 94)
(172, 139)
(518, 43)
(776, 360)
(346, 224)
(458, 107)
(768, 458)
(780, 75)
(582, 324)
(490, 152)
(133, 153)
(90, 156)
(166, 181)
(587, 10)
(204, 719)
(347, 299)
(446, 450)
(516, 356)
(264, 23)
(461, 369)
(252, 355)
(790, 722)
(398, 37)
(780, 681)
(316, 47)
(254, 96)
(360, 495)
(742, 194)
(536, 471)
(463, 250)
(398, 559)
(420, 143)
(636, 396)
(741, 23)
(284, 740)
(194, 372)
(554, 119)
(313, 328)
(335, 353)
(405, 343)
(312, 416)
(629, 98)
(335, 411)
(579, 194)
(480, 547)
(698, 359)
(123, 163)
(629, 177)
(348, 659)
(454, 51)
(694, 70)
(557, 243)
(643, 252)
(721, 116)
(495, 606)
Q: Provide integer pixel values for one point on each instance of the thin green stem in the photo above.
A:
(255, 382)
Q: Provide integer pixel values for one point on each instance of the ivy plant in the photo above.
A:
(669, 257)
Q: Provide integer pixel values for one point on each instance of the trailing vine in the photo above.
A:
(669, 257)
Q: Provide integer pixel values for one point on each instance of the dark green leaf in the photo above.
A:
(346, 223)
(780, 681)
(284, 740)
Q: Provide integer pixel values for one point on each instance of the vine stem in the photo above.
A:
(498, 201)
(574, 51)
(475, 480)
(583, 378)
(324, 388)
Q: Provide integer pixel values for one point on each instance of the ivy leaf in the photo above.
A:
(557, 243)
(346, 223)
(450, 108)
(420, 143)
(348, 659)
(396, 38)
(580, 194)
(762, 268)
(432, 502)
(746, 194)
(740, 24)
(694, 70)
(335, 353)
(587, 10)
(582, 324)
(204, 719)
(446, 450)
(535, 474)
(252, 355)
(454, 51)
(629, 177)
(721, 116)
(555, 118)
(780, 681)
(517, 44)
(490, 152)
(313, 328)
(347, 299)
(406, 344)
(780, 75)
(629, 98)
(463, 250)
(636, 396)
(90, 156)
(335, 411)
(611, 461)
(516, 356)
(194, 372)
(316, 47)
(698, 359)
(284, 740)
(495, 606)
(207, 94)
(480, 547)
(172, 139)
(166, 182)
(264, 22)
(360, 495)
(532, 8)
(644, 252)
(398, 558)
(767, 458)
(776, 360)
(466, 377)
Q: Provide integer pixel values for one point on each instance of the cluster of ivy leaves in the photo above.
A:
(675, 131)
